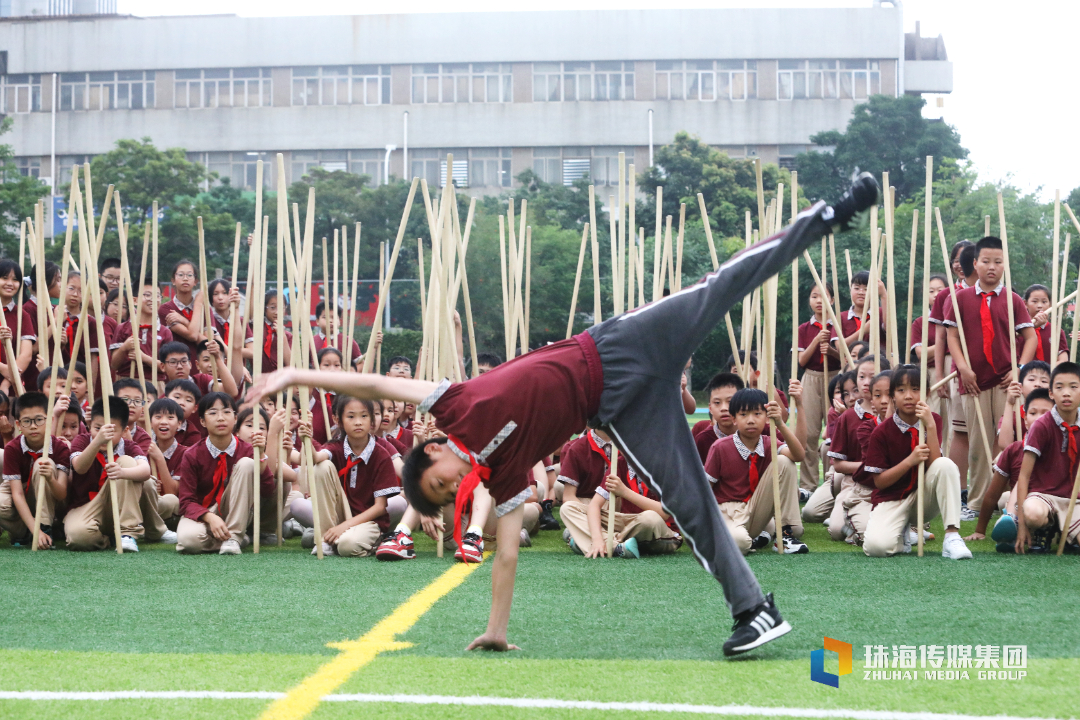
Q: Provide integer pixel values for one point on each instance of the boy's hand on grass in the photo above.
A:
(599, 549)
(491, 642)
(432, 526)
(1022, 538)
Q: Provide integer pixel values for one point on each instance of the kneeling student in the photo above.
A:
(1047, 474)
(89, 521)
(738, 465)
(216, 477)
(892, 459)
(22, 462)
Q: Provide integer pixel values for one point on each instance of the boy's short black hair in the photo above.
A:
(724, 380)
(321, 306)
(211, 398)
(415, 463)
(246, 413)
(988, 243)
(490, 359)
(151, 390)
(109, 263)
(166, 406)
(174, 347)
(742, 355)
(1036, 394)
(330, 351)
(30, 400)
(1033, 365)
(967, 260)
(1064, 368)
(401, 359)
(7, 267)
(74, 408)
(187, 386)
(129, 383)
(118, 410)
(747, 399)
(903, 374)
(861, 278)
(205, 343)
(46, 375)
(1036, 288)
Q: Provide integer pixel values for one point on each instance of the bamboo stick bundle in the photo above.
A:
(613, 234)
(923, 361)
(632, 236)
(708, 231)
(353, 292)
(577, 281)
(760, 195)
(204, 292)
(611, 504)
(528, 285)
(234, 309)
(22, 286)
(641, 266)
(620, 267)
(769, 301)
(133, 313)
(511, 239)
(142, 281)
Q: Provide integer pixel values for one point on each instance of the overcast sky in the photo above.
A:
(1014, 98)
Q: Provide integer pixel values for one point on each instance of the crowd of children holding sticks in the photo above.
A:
(116, 434)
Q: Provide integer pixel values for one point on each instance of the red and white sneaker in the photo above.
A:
(471, 550)
(396, 546)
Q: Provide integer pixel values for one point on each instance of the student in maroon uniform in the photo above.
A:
(1033, 376)
(178, 313)
(71, 326)
(1037, 301)
(186, 394)
(270, 339)
(842, 390)
(815, 336)
(52, 282)
(892, 458)
(216, 477)
(984, 312)
(621, 375)
(271, 427)
(1048, 471)
(340, 339)
(166, 452)
(754, 378)
(852, 321)
(122, 346)
(173, 366)
(72, 424)
(938, 284)
(94, 477)
(23, 462)
(223, 296)
(720, 423)
(22, 346)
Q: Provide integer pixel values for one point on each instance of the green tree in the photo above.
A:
(885, 134)
(18, 194)
(564, 206)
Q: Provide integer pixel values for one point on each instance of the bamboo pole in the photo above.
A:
(632, 236)
(611, 503)
(734, 346)
(577, 281)
(708, 231)
(233, 309)
(657, 281)
(679, 253)
(1009, 294)
(505, 291)
(911, 288)
(769, 301)
(334, 294)
(1054, 286)
(328, 303)
(621, 265)
(923, 361)
(597, 309)
(528, 285)
(613, 234)
(760, 195)
(669, 259)
(22, 285)
(641, 266)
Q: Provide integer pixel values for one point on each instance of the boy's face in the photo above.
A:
(322, 322)
(1037, 302)
(905, 399)
(403, 370)
(356, 421)
(146, 300)
(936, 286)
(184, 279)
(879, 397)
(1037, 408)
(990, 267)
(481, 368)
(858, 296)
(719, 401)
(135, 402)
(1066, 392)
(866, 374)
(206, 362)
(176, 366)
(1033, 380)
(751, 423)
(219, 419)
(32, 425)
(165, 426)
(439, 483)
(70, 426)
(98, 422)
(185, 400)
(73, 294)
(9, 286)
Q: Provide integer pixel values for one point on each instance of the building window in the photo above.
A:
(341, 85)
(22, 94)
(64, 164)
(30, 166)
(570, 81)
(845, 79)
(488, 167)
(462, 82)
(357, 162)
(567, 165)
(706, 79)
(123, 90)
(223, 87)
(368, 162)
(241, 168)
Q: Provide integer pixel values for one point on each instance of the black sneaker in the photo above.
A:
(804, 496)
(756, 627)
(792, 544)
(862, 195)
(547, 519)
(761, 541)
(1042, 540)
(1006, 548)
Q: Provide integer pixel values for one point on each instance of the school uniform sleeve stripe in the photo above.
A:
(513, 502)
(836, 455)
(13, 478)
(74, 454)
(1028, 448)
(1021, 326)
(388, 491)
(433, 398)
(875, 470)
(999, 471)
(949, 323)
(567, 481)
(712, 479)
(603, 493)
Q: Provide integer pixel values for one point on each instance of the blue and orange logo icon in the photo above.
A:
(817, 662)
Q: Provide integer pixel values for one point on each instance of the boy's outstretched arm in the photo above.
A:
(507, 534)
(366, 386)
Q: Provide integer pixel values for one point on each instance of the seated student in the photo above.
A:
(815, 348)
(322, 419)
(720, 424)
(844, 397)
(486, 362)
(216, 477)
(73, 422)
(584, 469)
(390, 410)
(1049, 470)
(94, 477)
(755, 376)
(1037, 301)
(938, 284)
(157, 507)
(1006, 473)
(1034, 375)
(23, 462)
(70, 335)
(41, 354)
(186, 394)
(133, 393)
(166, 452)
(738, 465)
(7, 427)
(79, 388)
(892, 458)
(23, 346)
(270, 339)
(354, 476)
(122, 346)
(339, 340)
(174, 366)
(272, 428)
(223, 296)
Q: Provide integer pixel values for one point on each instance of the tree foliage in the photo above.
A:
(18, 194)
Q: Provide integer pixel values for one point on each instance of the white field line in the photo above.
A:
(529, 703)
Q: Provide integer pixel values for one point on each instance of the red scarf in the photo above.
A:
(71, 326)
(225, 331)
(221, 473)
(34, 456)
(104, 474)
(186, 312)
(913, 478)
(350, 463)
(987, 326)
(754, 475)
(1072, 431)
(1039, 354)
(268, 346)
(144, 334)
(463, 500)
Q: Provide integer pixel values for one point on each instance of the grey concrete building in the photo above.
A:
(560, 92)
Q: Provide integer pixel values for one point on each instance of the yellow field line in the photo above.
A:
(300, 701)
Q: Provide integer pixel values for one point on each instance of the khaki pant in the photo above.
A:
(156, 509)
(889, 521)
(852, 508)
(992, 404)
(359, 540)
(541, 491)
(816, 406)
(89, 526)
(193, 536)
(1041, 509)
(647, 526)
(747, 520)
(530, 521)
(10, 519)
(820, 504)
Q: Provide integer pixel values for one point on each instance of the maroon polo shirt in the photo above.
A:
(917, 339)
(398, 446)
(845, 443)
(585, 469)
(123, 332)
(84, 488)
(522, 411)
(890, 444)
(850, 322)
(221, 325)
(390, 448)
(990, 368)
(11, 318)
(270, 347)
(174, 455)
(729, 467)
(365, 474)
(700, 425)
(1054, 471)
(339, 342)
(831, 418)
(197, 476)
(1042, 349)
(404, 437)
(807, 332)
(109, 326)
(190, 433)
(319, 431)
(705, 439)
(1008, 462)
(19, 459)
(937, 312)
(141, 438)
(172, 307)
(71, 328)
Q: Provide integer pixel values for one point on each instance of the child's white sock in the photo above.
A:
(403, 528)
(476, 530)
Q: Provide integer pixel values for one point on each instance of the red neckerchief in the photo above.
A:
(913, 477)
(474, 477)
(187, 312)
(638, 486)
(597, 449)
(221, 471)
(1072, 431)
(268, 346)
(34, 456)
(145, 328)
(754, 476)
(987, 325)
(71, 326)
(225, 333)
(104, 474)
(350, 463)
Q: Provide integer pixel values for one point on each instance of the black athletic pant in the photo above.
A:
(643, 353)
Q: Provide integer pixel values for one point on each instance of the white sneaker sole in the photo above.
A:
(782, 629)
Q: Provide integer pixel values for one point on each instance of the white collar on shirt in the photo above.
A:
(814, 320)
(996, 291)
(904, 427)
(172, 449)
(214, 452)
(860, 410)
(744, 451)
(602, 444)
(365, 454)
